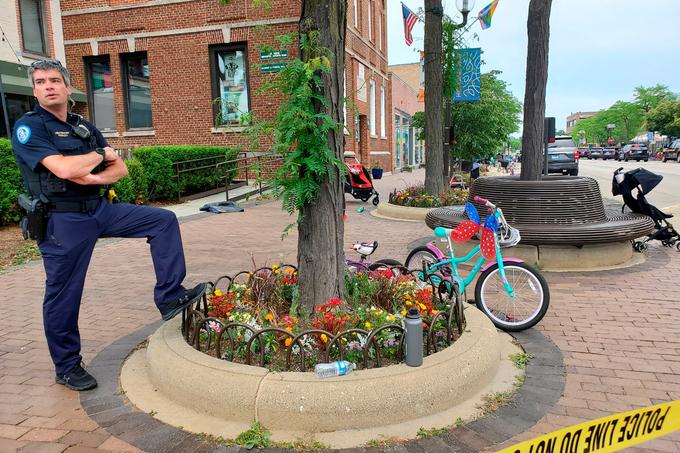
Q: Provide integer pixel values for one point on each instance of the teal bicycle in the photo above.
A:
(514, 295)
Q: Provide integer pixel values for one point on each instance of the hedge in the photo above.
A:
(134, 188)
(160, 171)
(11, 184)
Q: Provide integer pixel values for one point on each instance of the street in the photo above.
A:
(666, 194)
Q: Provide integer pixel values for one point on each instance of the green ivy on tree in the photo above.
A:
(300, 134)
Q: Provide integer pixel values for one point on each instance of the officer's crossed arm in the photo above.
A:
(115, 169)
(72, 167)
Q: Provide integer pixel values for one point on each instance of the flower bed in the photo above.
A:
(255, 317)
(417, 197)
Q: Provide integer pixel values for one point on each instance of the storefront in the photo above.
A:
(409, 151)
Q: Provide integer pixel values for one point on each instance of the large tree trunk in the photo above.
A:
(321, 232)
(538, 31)
(434, 87)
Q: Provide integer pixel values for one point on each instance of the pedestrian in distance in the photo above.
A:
(65, 163)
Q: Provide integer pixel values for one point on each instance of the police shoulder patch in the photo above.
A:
(23, 134)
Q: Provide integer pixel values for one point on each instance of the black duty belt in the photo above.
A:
(75, 206)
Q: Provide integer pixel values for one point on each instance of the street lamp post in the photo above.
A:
(464, 6)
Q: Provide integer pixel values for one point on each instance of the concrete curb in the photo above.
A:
(395, 212)
(300, 402)
(543, 387)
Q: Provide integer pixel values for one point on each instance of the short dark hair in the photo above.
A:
(46, 65)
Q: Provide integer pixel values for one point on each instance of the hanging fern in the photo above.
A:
(300, 133)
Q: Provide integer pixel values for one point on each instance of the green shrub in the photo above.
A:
(134, 188)
(161, 173)
(11, 184)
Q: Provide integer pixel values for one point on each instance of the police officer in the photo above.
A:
(64, 161)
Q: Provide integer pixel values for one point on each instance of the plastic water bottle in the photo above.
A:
(339, 368)
(414, 338)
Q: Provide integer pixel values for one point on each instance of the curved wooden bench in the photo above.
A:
(559, 210)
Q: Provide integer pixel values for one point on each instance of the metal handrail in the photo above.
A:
(179, 171)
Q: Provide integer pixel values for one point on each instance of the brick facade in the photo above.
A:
(178, 35)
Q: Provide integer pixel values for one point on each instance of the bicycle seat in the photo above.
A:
(365, 248)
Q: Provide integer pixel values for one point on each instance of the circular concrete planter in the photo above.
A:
(300, 402)
(396, 212)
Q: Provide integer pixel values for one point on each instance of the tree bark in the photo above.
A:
(320, 254)
(434, 90)
(538, 32)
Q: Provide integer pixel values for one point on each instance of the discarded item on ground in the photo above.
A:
(360, 209)
(221, 206)
(338, 368)
(644, 181)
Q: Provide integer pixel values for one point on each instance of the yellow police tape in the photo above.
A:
(606, 434)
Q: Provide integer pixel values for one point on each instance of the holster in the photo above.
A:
(34, 223)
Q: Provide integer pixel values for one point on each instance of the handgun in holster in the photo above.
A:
(34, 223)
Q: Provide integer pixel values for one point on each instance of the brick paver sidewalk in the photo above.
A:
(619, 330)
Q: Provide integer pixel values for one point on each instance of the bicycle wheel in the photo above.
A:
(529, 305)
(415, 259)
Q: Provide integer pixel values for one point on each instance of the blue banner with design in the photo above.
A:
(469, 67)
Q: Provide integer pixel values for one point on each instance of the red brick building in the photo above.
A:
(405, 85)
(183, 71)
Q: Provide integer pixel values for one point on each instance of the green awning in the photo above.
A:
(14, 80)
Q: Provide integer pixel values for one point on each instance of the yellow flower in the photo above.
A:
(434, 312)
(275, 266)
(250, 274)
(289, 329)
(324, 337)
(403, 313)
(390, 318)
(408, 303)
(289, 341)
(422, 306)
(368, 325)
(217, 292)
(269, 317)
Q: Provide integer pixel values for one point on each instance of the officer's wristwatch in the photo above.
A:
(101, 152)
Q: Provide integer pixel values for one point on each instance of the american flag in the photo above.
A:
(410, 20)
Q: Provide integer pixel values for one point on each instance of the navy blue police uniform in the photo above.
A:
(78, 216)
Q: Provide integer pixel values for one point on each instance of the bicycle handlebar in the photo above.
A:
(484, 201)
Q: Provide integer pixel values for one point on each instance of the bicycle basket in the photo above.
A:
(508, 236)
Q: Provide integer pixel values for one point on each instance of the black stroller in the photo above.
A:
(644, 181)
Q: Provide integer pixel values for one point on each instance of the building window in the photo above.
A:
(32, 26)
(370, 20)
(100, 92)
(382, 112)
(371, 107)
(380, 31)
(356, 14)
(344, 102)
(137, 90)
(230, 84)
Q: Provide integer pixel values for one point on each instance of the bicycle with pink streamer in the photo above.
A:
(514, 295)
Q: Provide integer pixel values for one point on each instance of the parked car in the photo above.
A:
(634, 152)
(595, 153)
(672, 152)
(583, 152)
(563, 156)
(609, 153)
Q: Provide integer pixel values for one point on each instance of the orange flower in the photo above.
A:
(289, 341)
(269, 317)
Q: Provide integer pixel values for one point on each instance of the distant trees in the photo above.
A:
(653, 108)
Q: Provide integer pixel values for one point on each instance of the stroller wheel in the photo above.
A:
(376, 200)
(677, 246)
(365, 199)
(639, 246)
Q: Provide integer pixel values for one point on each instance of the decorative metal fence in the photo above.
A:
(246, 342)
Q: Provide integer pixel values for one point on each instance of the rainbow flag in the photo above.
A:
(486, 14)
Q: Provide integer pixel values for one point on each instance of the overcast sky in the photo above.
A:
(599, 49)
